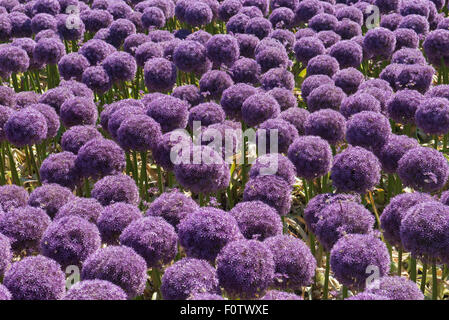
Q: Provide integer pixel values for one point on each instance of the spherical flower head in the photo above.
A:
(350, 12)
(153, 238)
(368, 129)
(439, 91)
(245, 268)
(322, 64)
(271, 190)
(408, 7)
(323, 21)
(116, 188)
(96, 19)
(43, 21)
(348, 80)
(206, 231)
(13, 59)
(162, 152)
(120, 66)
(233, 98)
(305, 32)
(100, 157)
(70, 240)
(306, 10)
(172, 206)
(5, 27)
(78, 111)
(432, 116)
(96, 79)
(257, 220)
(189, 93)
(285, 98)
(271, 57)
(258, 108)
(355, 170)
(25, 98)
(206, 113)
(153, 17)
(26, 127)
(214, 82)
(120, 265)
(328, 124)
(326, 96)
(359, 102)
(50, 116)
(403, 105)
(5, 254)
(276, 133)
(348, 29)
(353, 254)
(328, 38)
(297, 117)
(46, 6)
(189, 56)
(417, 23)
(77, 136)
(24, 227)
(4, 293)
(133, 41)
(423, 231)
(96, 51)
(119, 30)
(313, 82)
(50, 197)
(273, 164)
(222, 49)
(160, 75)
(390, 21)
(12, 196)
(247, 44)
(277, 78)
(245, 70)
(237, 23)
(395, 288)
(390, 154)
(197, 13)
(5, 113)
(170, 112)
(95, 290)
(282, 18)
(188, 277)
(60, 168)
(348, 53)
(285, 37)
(408, 56)
(71, 66)
(116, 117)
(308, 47)
(49, 51)
(70, 27)
(85, 208)
(423, 169)
(436, 47)
(77, 88)
(228, 9)
(7, 97)
(139, 132)
(258, 26)
(35, 278)
(406, 38)
(147, 51)
(379, 42)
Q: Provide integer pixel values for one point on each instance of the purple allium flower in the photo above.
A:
(189, 56)
(276, 132)
(355, 170)
(204, 232)
(245, 70)
(432, 116)
(86, 208)
(25, 98)
(78, 89)
(270, 58)
(206, 113)
(313, 82)
(436, 47)
(328, 124)
(169, 48)
(258, 26)
(237, 24)
(119, 30)
(43, 21)
(294, 263)
(285, 37)
(51, 118)
(170, 112)
(322, 64)
(393, 150)
(390, 21)
(35, 278)
(245, 268)
(350, 12)
(74, 138)
(277, 78)
(13, 59)
(60, 168)
(406, 38)
(443, 24)
(96, 51)
(78, 111)
(368, 129)
(261, 4)
(407, 7)
(116, 188)
(271, 190)
(200, 36)
(72, 65)
(153, 238)
(280, 295)
(285, 98)
(5, 254)
(214, 82)
(5, 113)
(133, 41)
(423, 231)
(308, 47)
(311, 155)
(395, 211)
(423, 169)
(273, 163)
(153, 17)
(96, 19)
(257, 220)
(323, 21)
(46, 6)
(297, 117)
(390, 74)
(48, 51)
(379, 42)
(305, 32)
(147, 51)
(162, 151)
(417, 23)
(120, 66)
(50, 197)
(120, 265)
(282, 18)
(258, 108)
(408, 56)
(100, 157)
(12, 196)
(247, 45)
(116, 117)
(395, 288)
(228, 9)
(188, 93)
(328, 38)
(187, 277)
(307, 9)
(340, 218)
(348, 53)
(96, 79)
(292, 4)
(439, 91)
(139, 132)
(326, 96)
(222, 49)
(95, 290)
(160, 74)
(353, 254)
(4, 293)
(197, 13)
(70, 27)
(348, 29)
(26, 127)
(28, 45)
(233, 98)
(70, 240)
(359, 102)
(118, 9)
(367, 296)
(24, 226)
(206, 296)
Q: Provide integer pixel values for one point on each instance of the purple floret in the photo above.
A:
(322, 64)
(313, 82)
(390, 154)
(390, 21)
(78, 111)
(96, 51)
(70, 27)
(297, 117)
(415, 77)
(233, 98)
(326, 96)
(423, 169)
(308, 47)
(72, 65)
(228, 9)
(60, 168)
(245, 70)
(206, 231)
(359, 102)
(258, 26)
(5, 254)
(379, 42)
(96, 19)
(271, 190)
(276, 164)
(307, 9)
(323, 21)
(285, 98)
(432, 116)
(116, 188)
(277, 78)
(355, 170)
(26, 127)
(95, 290)
(7, 97)
(12, 196)
(328, 124)
(35, 278)
(328, 38)
(162, 151)
(406, 38)
(50, 197)
(120, 265)
(96, 79)
(77, 136)
(4, 293)
(402, 106)
(147, 51)
(395, 288)
(24, 227)
(86, 208)
(13, 59)
(187, 277)
(245, 268)
(160, 75)
(436, 47)
(197, 13)
(237, 23)
(222, 49)
(43, 21)
(276, 133)
(49, 51)
(25, 98)
(214, 82)
(353, 254)
(259, 108)
(348, 53)
(170, 112)
(206, 113)
(282, 18)
(139, 132)
(50, 116)
(120, 66)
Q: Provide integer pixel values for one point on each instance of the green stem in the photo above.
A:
(159, 180)
(143, 174)
(34, 163)
(424, 277)
(12, 166)
(412, 269)
(345, 292)
(87, 187)
(399, 261)
(156, 279)
(326, 277)
(434, 282)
